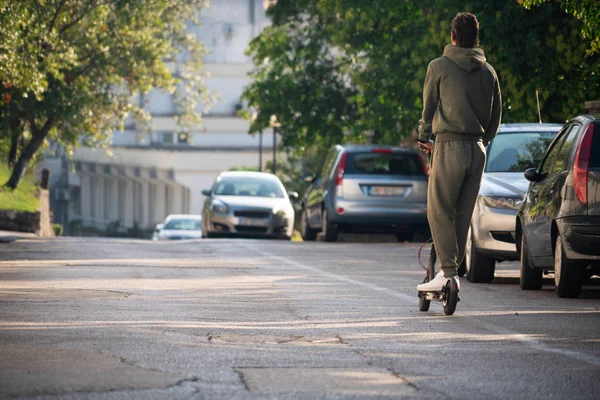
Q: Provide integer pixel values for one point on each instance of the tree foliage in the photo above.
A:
(342, 70)
(588, 11)
(69, 68)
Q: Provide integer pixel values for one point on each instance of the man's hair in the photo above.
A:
(465, 29)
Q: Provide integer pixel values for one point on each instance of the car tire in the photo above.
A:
(307, 233)
(568, 276)
(462, 268)
(479, 268)
(404, 237)
(330, 233)
(531, 278)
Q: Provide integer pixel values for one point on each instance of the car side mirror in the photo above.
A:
(532, 175)
(207, 192)
(293, 195)
(159, 227)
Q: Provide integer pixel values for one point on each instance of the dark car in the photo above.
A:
(371, 189)
(558, 226)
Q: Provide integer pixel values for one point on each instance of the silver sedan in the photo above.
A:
(492, 235)
(248, 204)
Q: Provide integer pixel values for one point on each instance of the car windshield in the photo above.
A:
(517, 151)
(383, 164)
(245, 186)
(182, 224)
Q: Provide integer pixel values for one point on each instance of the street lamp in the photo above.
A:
(260, 142)
(275, 125)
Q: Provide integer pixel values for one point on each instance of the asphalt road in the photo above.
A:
(227, 319)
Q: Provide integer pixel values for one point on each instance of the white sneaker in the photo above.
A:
(435, 285)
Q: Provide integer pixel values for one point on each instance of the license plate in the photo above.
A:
(386, 191)
(251, 222)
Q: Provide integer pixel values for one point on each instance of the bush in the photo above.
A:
(58, 229)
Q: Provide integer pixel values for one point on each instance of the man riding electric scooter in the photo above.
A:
(462, 107)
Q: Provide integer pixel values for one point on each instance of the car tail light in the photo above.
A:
(339, 171)
(340, 210)
(582, 163)
(381, 151)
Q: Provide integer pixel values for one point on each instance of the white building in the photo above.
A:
(149, 176)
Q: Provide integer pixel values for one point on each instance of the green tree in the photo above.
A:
(69, 68)
(339, 70)
(588, 11)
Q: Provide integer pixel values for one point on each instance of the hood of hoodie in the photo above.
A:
(468, 59)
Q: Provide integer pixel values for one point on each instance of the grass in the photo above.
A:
(23, 198)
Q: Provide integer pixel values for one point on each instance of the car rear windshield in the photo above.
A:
(181, 224)
(517, 151)
(246, 186)
(372, 163)
(595, 155)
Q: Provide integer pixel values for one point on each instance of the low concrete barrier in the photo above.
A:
(30, 222)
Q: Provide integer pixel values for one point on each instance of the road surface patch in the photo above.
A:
(29, 371)
(326, 381)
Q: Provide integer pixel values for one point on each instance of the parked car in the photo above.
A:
(558, 226)
(491, 238)
(252, 204)
(368, 189)
(179, 227)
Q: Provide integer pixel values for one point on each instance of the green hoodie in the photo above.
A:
(461, 97)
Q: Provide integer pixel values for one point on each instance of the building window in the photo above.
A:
(168, 137)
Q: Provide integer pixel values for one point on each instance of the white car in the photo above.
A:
(179, 227)
(516, 148)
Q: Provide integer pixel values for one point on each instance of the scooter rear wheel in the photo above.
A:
(424, 303)
(450, 296)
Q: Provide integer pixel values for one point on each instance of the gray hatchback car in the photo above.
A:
(374, 189)
(558, 226)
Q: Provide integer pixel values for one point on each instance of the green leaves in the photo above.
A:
(77, 63)
(340, 70)
(587, 11)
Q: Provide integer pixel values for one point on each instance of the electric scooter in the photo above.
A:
(448, 294)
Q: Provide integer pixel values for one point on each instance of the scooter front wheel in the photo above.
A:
(451, 296)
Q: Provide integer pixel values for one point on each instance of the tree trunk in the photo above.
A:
(14, 146)
(21, 165)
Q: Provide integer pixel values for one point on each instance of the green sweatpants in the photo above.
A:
(454, 183)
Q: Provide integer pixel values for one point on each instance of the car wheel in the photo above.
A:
(330, 233)
(479, 268)
(531, 278)
(307, 233)
(568, 276)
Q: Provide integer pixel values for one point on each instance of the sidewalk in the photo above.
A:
(9, 236)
